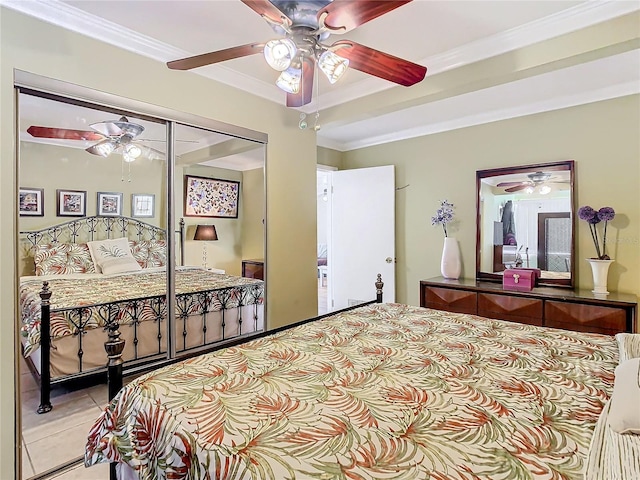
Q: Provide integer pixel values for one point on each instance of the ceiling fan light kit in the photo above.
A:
(279, 53)
(305, 25)
(290, 80)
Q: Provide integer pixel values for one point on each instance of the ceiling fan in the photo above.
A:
(536, 179)
(305, 26)
(112, 136)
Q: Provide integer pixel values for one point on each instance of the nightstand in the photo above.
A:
(253, 269)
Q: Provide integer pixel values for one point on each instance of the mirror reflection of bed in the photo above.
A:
(525, 220)
(57, 164)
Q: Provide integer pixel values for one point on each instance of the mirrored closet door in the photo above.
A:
(129, 220)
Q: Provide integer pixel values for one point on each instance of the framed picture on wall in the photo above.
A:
(210, 197)
(109, 204)
(71, 203)
(31, 202)
(142, 204)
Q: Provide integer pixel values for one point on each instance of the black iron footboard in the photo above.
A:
(131, 313)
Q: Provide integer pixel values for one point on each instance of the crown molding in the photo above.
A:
(555, 103)
(566, 21)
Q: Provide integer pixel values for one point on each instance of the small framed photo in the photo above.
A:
(142, 205)
(31, 202)
(109, 204)
(210, 197)
(71, 203)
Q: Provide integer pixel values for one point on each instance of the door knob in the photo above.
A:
(388, 259)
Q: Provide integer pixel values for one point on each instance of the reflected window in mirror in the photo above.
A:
(525, 219)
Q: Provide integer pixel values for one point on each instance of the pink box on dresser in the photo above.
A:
(521, 279)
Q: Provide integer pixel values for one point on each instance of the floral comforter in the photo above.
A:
(95, 291)
(381, 392)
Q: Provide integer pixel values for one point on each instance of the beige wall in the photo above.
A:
(253, 209)
(37, 47)
(226, 252)
(52, 167)
(604, 140)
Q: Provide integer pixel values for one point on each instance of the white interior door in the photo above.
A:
(362, 235)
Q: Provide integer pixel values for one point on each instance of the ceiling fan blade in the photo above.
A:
(216, 57)
(379, 64)
(306, 87)
(345, 15)
(508, 184)
(265, 8)
(63, 133)
(152, 153)
(517, 188)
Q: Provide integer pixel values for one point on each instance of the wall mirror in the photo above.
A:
(95, 167)
(525, 218)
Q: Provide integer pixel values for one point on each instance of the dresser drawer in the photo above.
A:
(449, 299)
(584, 317)
(512, 308)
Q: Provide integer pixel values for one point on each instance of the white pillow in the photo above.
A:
(113, 256)
(624, 415)
(628, 345)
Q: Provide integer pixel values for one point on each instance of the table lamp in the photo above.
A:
(205, 233)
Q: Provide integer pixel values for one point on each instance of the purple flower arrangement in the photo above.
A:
(443, 215)
(594, 217)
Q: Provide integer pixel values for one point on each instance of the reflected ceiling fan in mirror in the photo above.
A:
(305, 25)
(120, 136)
(536, 180)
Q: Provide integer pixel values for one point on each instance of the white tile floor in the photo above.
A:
(54, 438)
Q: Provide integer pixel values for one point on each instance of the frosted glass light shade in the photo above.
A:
(332, 65)
(279, 53)
(131, 152)
(289, 80)
(104, 148)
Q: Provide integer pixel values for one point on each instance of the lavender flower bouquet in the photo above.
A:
(443, 215)
(594, 217)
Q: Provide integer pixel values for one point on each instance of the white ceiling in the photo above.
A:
(441, 35)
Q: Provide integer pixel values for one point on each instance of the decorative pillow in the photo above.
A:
(628, 345)
(624, 415)
(149, 253)
(63, 258)
(113, 256)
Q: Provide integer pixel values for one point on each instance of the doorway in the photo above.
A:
(356, 219)
(323, 185)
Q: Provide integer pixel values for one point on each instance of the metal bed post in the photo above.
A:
(379, 285)
(114, 347)
(45, 349)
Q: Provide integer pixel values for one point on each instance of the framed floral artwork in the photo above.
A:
(109, 204)
(210, 197)
(71, 203)
(31, 202)
(142, 205)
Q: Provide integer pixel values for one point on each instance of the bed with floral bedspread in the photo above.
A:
(380, 392)
(95, 291)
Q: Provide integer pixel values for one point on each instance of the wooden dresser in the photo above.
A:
(578, 310)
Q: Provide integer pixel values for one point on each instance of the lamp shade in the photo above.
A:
(206, 232)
